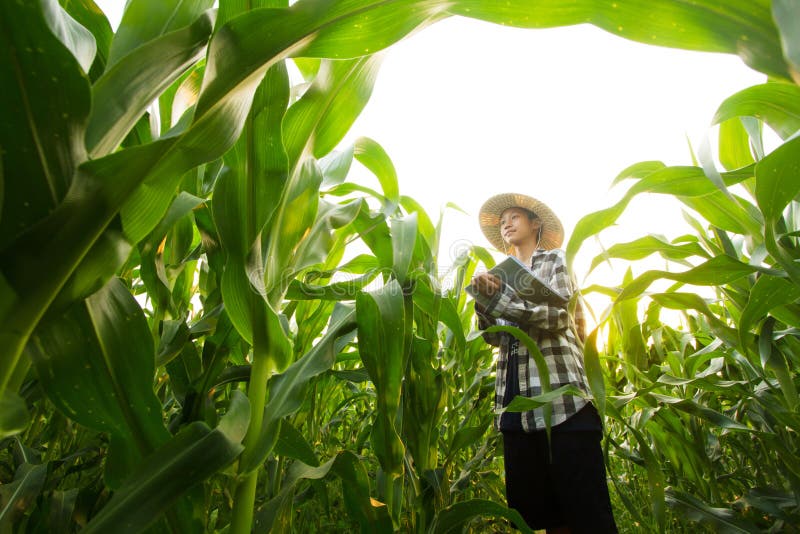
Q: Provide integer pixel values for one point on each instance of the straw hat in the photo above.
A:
(552, 234)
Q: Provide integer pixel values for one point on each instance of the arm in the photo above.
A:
(506, 304)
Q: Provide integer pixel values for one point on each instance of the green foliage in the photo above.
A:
(708, 412)
(176, 229)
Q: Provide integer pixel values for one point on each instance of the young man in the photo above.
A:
(559, 486)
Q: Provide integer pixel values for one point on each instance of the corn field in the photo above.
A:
(189, 343)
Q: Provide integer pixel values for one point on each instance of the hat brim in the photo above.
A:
(552, 235)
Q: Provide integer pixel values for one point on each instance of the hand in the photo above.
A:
(486, 284)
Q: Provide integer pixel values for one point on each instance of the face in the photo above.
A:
(517, 227)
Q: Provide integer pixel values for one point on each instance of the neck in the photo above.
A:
(525, 251)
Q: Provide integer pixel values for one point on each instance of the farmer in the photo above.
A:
(560, 486)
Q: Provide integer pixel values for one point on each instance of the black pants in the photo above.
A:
(569, 490)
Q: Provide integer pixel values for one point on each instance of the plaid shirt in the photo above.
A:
(559, 338)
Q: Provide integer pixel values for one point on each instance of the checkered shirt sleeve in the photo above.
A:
(558, 336)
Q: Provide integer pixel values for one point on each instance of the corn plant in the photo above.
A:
(172, 218)
(705, 416)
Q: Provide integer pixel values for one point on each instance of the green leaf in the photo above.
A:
(638, 171)
(775, 103)
(61, 508)
(129, 86)
(316, 123)
(145, 20)
(727, 212)
(45, 105)
(335, 167)
(345, 290)
(427, 231)
(404, 235)
(14, 416)
(645, 246)
(442, 310)
(370, 154)
(287, 390)
(743, 28)
(99, 264)
(96, 363)
(380, 326)
(191, 456)
(319, 243)
(455, 517)
(291, 443)
(594, 372)
(249, 190)
(786, 13)
(655, 478)
(291, 223)
(78, 40)
(523, 404)
(719, 270)
(682, 181)
(467, 436)
(593, 224)
(768, 293)
(21, 494)
(734, 145)
(87, 14)
(722, 519)
(693, 408)
(371, 515)
(776, 179)
(381, 336)
(374, 232)
(691, 301)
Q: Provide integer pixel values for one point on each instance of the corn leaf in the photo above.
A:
(371, 515)
(96, 363)
(716, 271)
(146, 20)
(776, 179)
(454, 518)
(287, 389)
(370, 154)
(316, 123)
(645, 246)
(293, 444)
(594, 372)
(785, 12)
(768, 293)
(734, 144)
(775, 103)
(381, 326)
(123, 93)
(404, 235)
(14, 416)
(21, 493)
(191, 456)
(703, 412)
(77, 39)
(743, 28)
(723, 520)
(42, 143)
(87, 14)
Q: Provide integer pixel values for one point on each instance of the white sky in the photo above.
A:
(467, 109)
